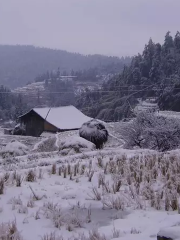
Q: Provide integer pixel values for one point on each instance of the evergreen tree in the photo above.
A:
(72, 73)
(154, 73)
(58, 73)
(20, 107)
(168, 43)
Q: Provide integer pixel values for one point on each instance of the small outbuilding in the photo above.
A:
(55, 119)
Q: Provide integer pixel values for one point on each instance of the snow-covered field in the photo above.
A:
(86, 194)
(29, 141)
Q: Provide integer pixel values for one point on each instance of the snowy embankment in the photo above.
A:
(170, 114)
(13, 149)
(170, 233)
(28, 141)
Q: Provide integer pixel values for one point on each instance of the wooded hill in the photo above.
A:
(22, 64)
(154, 73)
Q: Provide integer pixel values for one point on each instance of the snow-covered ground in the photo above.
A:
(145, 105)
(29, 141)
(91, 195)
(170, 114)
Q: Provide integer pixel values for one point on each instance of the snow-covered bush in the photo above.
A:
(71, 145)
(19, 130)
(95, 132)
(9, 124)
(13, 149)
(151, 131)
(9, 231)
(169, 233)
(51, 236)
(46, 145)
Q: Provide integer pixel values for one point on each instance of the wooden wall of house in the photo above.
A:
(49, 127)
(34, 124)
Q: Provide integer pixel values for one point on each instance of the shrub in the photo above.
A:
(152, 131)
(31, 176)
(46, 145)
(53, 170)
(1, 186)
(19, 180)
(51, 236)
(9, 231)
(13, 149)
(95, 194)
(113, 202)
(95, 132)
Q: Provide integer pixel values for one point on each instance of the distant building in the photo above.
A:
(56, 119)
(148, 105)
(67, 78)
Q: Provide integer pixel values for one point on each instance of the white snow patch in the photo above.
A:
(46, 145)
(170, 232)
(14, 148)
(65, 144)
(170, 114)
(75, 145)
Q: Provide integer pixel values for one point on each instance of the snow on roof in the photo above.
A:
(67, 117)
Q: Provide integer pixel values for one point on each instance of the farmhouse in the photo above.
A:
(54, 119)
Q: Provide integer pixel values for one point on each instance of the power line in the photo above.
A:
(118, 89)
(89, 87)
(114, 91)
(122, 86)
(127, 97)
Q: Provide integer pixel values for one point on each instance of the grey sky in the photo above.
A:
(112, 27)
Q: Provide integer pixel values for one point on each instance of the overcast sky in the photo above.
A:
(111, 27)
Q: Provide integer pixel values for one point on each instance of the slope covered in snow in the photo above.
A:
(91, 193)
(109, 194)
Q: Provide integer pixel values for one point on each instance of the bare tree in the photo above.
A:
(149, 130)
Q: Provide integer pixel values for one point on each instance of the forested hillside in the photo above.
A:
(22, 64)
(154, 73)
(11, 105)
